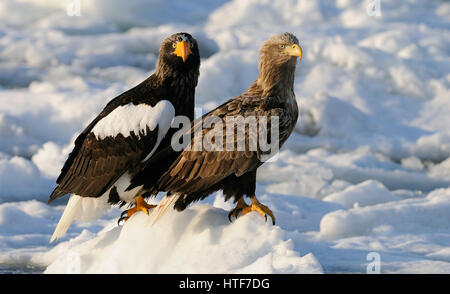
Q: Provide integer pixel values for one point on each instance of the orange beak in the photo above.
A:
(183, 50)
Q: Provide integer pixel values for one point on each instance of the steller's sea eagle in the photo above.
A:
(194, 174)
(126, 134)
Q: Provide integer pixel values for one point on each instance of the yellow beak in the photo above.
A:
(294, 50)
(182, 50)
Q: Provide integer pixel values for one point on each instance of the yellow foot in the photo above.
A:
(141, 205)
(239, 207)
(242, 207)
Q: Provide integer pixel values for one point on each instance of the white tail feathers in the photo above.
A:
(165, 203)
(80, 209)
(70, 213)
(85, 209)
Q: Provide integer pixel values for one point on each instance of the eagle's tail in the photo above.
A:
(167, 202)
(80, 209)
(70, 212)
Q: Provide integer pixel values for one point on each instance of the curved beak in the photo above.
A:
(183, 50)
(295, 50)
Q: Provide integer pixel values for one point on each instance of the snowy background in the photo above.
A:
(367, 169)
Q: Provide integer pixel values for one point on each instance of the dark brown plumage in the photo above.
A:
(131, 128)
(94, 165)
(194, 175)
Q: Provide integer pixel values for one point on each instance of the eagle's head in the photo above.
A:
(179, 52)
(277, 63)
(281, 49)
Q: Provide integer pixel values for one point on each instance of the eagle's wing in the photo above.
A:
(114, 142)
(199, 170)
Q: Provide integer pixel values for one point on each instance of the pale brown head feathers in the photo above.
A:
(277, 63)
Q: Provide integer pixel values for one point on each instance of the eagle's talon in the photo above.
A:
(119, 221)
(123, 218)
(141, 205)
(235, 212)
(238, 209)
(260, 208)
(243, 208)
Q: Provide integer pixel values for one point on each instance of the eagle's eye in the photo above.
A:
(174, 45)
(282, 46)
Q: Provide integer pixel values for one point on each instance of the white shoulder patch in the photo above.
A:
(136, 118)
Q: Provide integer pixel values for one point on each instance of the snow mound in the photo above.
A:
(20, 180)
(405, 216)
(367, 193)
(188, 242)
(25, 230)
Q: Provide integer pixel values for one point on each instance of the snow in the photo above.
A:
(187, 243)
(408, 216)
(367, 193)
(20, 179)
(367, 169)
